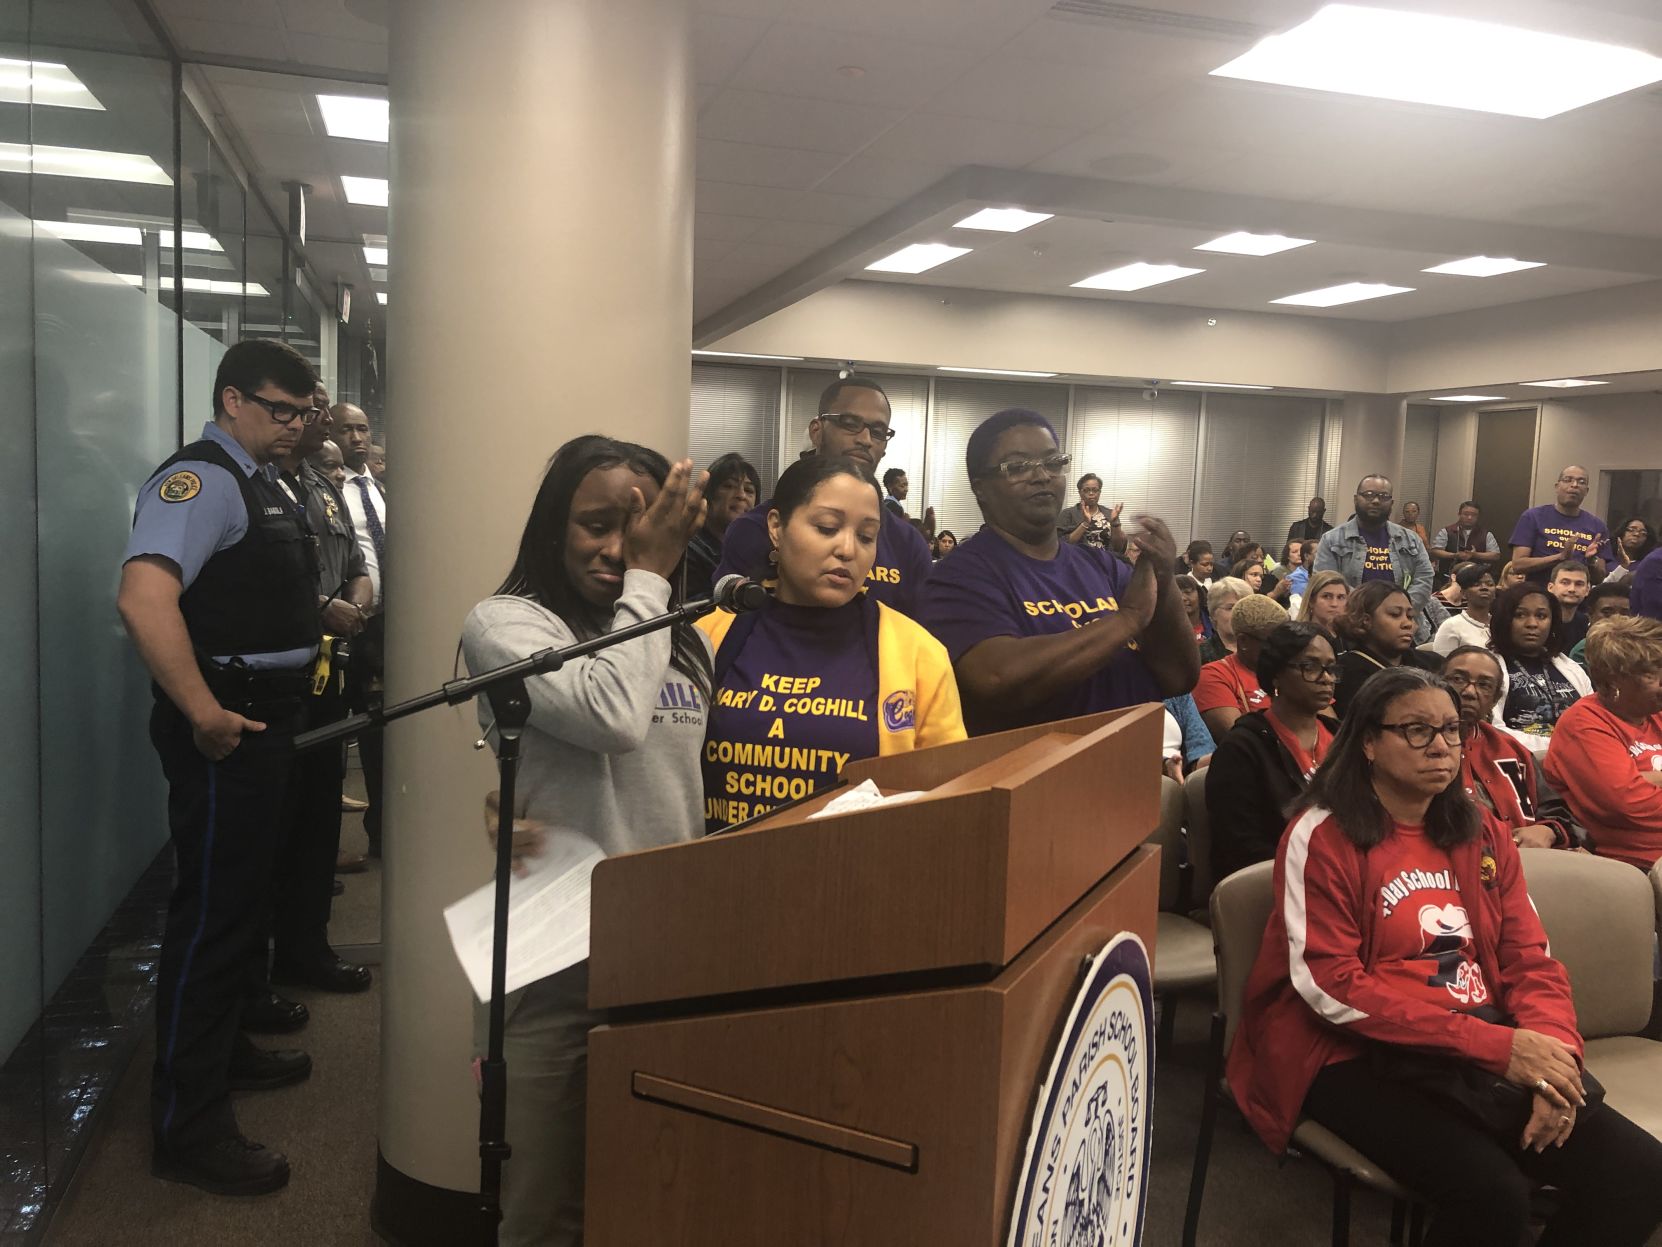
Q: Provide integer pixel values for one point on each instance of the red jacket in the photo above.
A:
(1596, 766)
(1503, 767)
(1312, 993)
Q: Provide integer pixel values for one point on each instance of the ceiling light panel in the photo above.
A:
(1483, 266)
(1467, 398)
(917, 258)
(995, 372)
(376, 256)
(1454, 62)
(788, 359)
(1243, 243)
(81, 162)
(1563, 383)
(354, 117)
(1137, 276)
(1221, 385)
(45, 84)
(125, 235)
(369, 192)
(1349, 292)
(381, 297)
(1003, 220)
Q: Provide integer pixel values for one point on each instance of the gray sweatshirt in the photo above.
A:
(611, 749)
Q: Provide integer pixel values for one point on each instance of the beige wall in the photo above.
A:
(882, 322)
(1621, 431)
(1456, 457)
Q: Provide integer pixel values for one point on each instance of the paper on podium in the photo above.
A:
(862, 796)
(548, 917)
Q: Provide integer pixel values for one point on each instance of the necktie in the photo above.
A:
(372, 519)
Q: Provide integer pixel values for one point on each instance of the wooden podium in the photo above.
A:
(833, 1031)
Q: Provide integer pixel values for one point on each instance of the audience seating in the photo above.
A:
(1240, 908)
(1183, 962)
(1600, 916)
(1198, 833)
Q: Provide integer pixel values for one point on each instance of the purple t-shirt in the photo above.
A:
(988, 588)
(1546, 530)
(1377, 564)
(796, 704)
(1646, 585)
(903, 558)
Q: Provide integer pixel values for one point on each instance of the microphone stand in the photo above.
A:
(510, 708)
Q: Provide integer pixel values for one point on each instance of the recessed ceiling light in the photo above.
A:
(1243, 243)
(1004, 220)
(1349, 292)
(1222, 385)
(1138, 276)
(125, 235)
(44, 83)
(370, 192)
(1455, 62)
(917, 258)
(1483, 266)
(1467, 398)
(354, 117)
(995, 372)
(81, 162)
(1565, 383)
(381, 297)
(789, 359)
(375, 255)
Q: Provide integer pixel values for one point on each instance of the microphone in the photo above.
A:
(738, 594)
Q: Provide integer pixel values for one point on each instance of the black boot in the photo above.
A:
(233, 1166)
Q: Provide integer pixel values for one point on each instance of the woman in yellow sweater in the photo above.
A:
(823, 674)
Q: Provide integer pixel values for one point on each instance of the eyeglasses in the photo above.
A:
(1418, 735)
(1313, 671)
(284, 413)
(1373, 495)
(1018, 469)
(848, 422)
(1458, 680)
(1573, 480)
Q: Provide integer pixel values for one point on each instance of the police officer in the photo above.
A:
(306, 857)
(219, 593)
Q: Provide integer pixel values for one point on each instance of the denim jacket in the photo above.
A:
(1345, 550)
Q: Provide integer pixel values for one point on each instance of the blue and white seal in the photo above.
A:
(1084, 1176)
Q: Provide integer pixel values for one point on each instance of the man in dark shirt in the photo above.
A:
(1312, 526)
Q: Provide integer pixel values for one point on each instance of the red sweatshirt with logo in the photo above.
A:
(1598, 767)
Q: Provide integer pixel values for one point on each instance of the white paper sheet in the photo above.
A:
(548, 917)
(863, 796)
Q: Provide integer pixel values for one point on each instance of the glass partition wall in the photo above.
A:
(131, 256)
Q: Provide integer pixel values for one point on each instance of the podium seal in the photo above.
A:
(1084, 1176)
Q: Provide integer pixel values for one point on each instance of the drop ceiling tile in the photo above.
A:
(978, 25)
(791, 121)
(224, 38)
(718, 228)
(357, 55)
(794, 59)
(330, 17)
(246, 13)
(720, 44)
(1047, 93)
(747, 164)
(708, 251)
(1113, 47)
(807, 236)
(883, 178)
(834, 208)
(726, 199)
(263, 110)
(940, 139)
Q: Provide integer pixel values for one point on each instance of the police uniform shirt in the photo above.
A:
(190, 511)
(340, 559)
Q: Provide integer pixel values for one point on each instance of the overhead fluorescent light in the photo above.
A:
(376, 256)
(370, 192)
(1565, 383)
(204, 285)
(381, 297)
(375, 240)
(1349, 292)
(45, 83)
(1003, 220)
(1138, 276)
(917, 258)
(1243, 243)
(1467, 398)
(354, 117)
(788, 359)
(1454, 62)
(81, 162)
(995, 372)
(1483, 266)
(1221, 385)
(125, 235)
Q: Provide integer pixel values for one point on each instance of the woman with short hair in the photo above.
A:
(1087, 522)
(1471, 625)
(1404, 997)
(1198, 561)
(1263, 765)
(1541, 681)
(1379, 623)
(1220, 602)
(733, 489)
(1605, 756)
